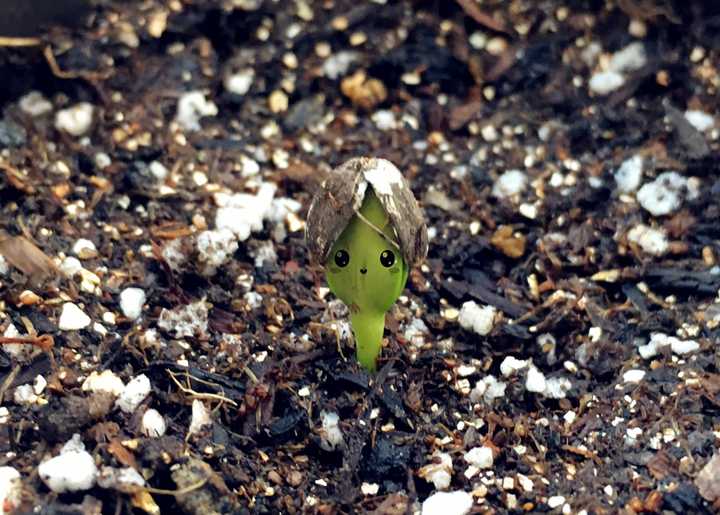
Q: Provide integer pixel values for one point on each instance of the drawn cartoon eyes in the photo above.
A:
(342, 258)
(387, 258)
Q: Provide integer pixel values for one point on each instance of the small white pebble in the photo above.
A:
(331, 435)
(264, 254)
(84, 249)
(535, 380)
(369, 488)
(489, 133)
(665, 194)
(569, 417)
(634, 432)
(590, 53)
(193, 106)
(72, 470)
(384, 120)
(629, 59)
(102, 160)
(629, 176)
(447, 503)
(39, 384)
(557, 179)
(528, 210)
(700, 120)
(594, 182)
(131, 302)
(105, 382)
(338, 63)
(137, 389)
(570, 366)
(24, 394)
(20, 351)
(35, 104)
(72, 318)
(126, 480)
(637, 28)
(415, 332)
(602, 83)
(188, 320)
(466, 370)
(159, 170)
(75, 120)
(488, 389)
(70, 266)
(243, 213)
(480, 457)
(556, 501)
(525, 483)
(684, 346)
(633, 376)
(557, 387)
(660, 340)
(248, 166)
(215, 248)
(509, 184)
(439, 472)
(480, 319)
(153, 424)
(200, 417)
(651, 240)
(253, 299)
(239, 83)
(4, 268)
(511, 365)
(11, 490)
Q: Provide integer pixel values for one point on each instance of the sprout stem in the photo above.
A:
(368, 329)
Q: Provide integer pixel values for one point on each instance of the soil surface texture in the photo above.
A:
(167, 345)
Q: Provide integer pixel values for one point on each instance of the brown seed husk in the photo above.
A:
(341, 196)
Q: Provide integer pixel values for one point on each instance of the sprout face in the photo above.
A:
(366, 227)
(366, 270)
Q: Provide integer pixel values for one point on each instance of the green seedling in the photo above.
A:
(367, 271)
(366, 228)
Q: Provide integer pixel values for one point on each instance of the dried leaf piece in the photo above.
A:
(341, 196)
(26, 256)
(363, 91)
(508, 243)
(15, 177)
(145, 502)
(121, 453)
